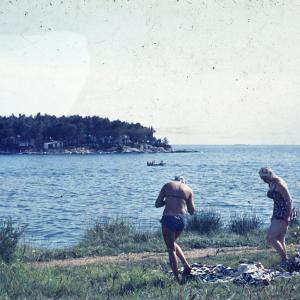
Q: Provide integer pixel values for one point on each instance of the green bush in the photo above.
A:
(244, 223)
(9, 238)
(109, 234)
(142, 237)
(204, 222)
(116, 227)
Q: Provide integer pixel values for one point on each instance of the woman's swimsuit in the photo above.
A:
(176, 222)
(280, 209)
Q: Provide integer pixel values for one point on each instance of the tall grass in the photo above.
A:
(119, 236)
(245, 223)
(106, 232)
(103, 238)
(116, 233)
(205, 222)
(9, 238)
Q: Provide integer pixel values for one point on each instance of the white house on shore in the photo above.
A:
(53, 145)
(107, 140)
(123, 140)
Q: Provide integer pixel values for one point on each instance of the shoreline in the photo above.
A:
(99, 152)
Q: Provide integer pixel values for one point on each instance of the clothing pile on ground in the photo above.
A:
(293, 264)
(251, 274)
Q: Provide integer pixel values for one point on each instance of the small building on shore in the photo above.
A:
(53, 145)
(106, 140)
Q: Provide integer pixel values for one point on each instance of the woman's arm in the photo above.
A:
(287, 197)
(160, 199)
(190, 204)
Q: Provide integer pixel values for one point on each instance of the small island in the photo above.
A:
(47, 134)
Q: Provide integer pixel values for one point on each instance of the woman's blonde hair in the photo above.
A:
(267, 172)
(179, 178)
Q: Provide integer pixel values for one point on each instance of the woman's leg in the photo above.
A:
(180, 254)
(276, 231)
(169, 237)
(282, 241)
(281, 237)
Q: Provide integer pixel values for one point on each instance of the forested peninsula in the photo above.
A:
(75, 134)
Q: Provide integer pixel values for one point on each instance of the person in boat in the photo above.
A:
(177, 198)
(282, 211)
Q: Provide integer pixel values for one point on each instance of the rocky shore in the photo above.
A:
(115, 149)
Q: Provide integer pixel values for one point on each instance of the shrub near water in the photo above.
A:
(111, 233)
(9, 238)
(119, 235)
(244, 223)
(205, 222)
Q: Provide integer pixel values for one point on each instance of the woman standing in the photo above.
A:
(282, 211)
(177, 198)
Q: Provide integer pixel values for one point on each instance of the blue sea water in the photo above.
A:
(59, 196)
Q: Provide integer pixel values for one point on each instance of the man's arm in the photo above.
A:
(160, 199)
(287, 197)
(190, 204)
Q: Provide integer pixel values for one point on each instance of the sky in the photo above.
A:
(199, 72)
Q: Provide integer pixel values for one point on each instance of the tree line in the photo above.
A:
(22, 131)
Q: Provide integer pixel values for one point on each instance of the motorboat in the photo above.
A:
(153, 163)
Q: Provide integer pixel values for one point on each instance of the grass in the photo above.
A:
(142, 280)
(112, 238)
(24, 279)
(118, 236)
(205, 222)
(242, 224)
(9, 238)
(100, 243)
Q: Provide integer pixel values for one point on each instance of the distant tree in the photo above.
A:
(71, 130)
